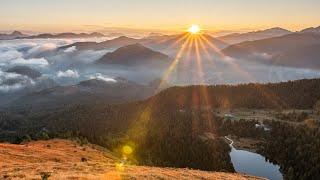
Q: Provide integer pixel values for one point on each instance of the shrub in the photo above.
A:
(45, 175)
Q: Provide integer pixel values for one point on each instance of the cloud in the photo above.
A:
(62, 60)
(39, 50)
(68, 74)
(43, 47)
(102, 77)
(9, 55)
(42, 55)
(12, 81)
(7, 88)
(40, 62)
(13, 54)
(14, 57)
(70, 49)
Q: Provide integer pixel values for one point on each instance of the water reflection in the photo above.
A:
(254, 164)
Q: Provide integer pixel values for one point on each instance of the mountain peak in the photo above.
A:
(254, 35)
(311, 30)
(277, 30)
(122, 37)
(16, 33)
(13, 35)
(132, 54)
(97, 34)
(135, 46)
(108, 44)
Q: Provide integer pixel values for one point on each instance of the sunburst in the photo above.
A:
(194, 29)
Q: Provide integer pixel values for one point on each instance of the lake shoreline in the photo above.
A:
(252, 163)
(247, 144)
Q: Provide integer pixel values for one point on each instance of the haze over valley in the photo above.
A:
(70, 60)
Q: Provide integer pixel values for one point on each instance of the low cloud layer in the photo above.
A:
(13, 81)
(43, 55)
(70, 66)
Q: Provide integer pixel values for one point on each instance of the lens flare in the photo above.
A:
(127, 150)
(119, 166)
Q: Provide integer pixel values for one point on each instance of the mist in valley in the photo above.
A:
(70, 66)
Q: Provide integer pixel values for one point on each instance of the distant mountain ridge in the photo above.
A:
(255, 35)
(88, 92)
(311, 30)
(307, 57)
(13, 35)
(65, 35)
(296, 50)
(171, 44)
(168, 44)
(109, 44)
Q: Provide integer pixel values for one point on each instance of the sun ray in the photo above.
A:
(205, 49)
(210, 58)
(203, 88)
(181, 69)
(227, 59)
(189, 50)
(173, 64)
(212, 46)
(188, 55)
(191, 40)
(201, 98)
(198, 61)
(186, 35)
(179, 39)
(275, 100)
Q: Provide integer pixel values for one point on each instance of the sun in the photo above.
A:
(194, 29)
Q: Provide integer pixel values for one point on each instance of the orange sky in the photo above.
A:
(164, 15)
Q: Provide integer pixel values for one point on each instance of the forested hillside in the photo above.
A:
(167, 129)
(300, 94)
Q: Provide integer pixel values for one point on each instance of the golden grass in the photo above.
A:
(64, 159)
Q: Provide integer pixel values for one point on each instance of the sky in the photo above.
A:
(160, 15)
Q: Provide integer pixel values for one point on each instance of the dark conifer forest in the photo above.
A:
(169, 129)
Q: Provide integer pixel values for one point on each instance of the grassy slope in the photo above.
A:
(62, 159)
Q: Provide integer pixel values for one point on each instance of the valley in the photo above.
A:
(186, 105)
(167, 129)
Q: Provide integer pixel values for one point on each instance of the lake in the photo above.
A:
(254, 164)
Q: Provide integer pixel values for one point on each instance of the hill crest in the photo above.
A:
(65, 159)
